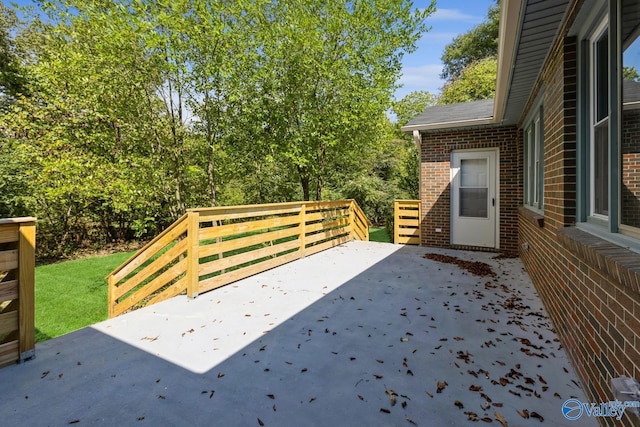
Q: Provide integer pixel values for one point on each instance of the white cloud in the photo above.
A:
(422, 77)
(454, 15)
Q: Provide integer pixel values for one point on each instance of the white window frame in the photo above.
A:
(533, 160)
(596, 35)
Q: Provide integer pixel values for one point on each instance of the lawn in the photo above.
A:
(379, 235)
(72, 294)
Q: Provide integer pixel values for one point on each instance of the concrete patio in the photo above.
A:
(362, 334)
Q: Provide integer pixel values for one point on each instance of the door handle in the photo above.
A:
(493, 201)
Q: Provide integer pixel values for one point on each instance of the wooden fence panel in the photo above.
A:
(17, 289)
(211, 247)
(406, 222)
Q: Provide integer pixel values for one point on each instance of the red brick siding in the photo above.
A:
(435, 180)
(589, 292)
(630, 168)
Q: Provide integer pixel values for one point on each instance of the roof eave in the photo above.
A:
(510, 22)
(449, 125)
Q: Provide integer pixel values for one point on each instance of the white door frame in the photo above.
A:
(493, 192)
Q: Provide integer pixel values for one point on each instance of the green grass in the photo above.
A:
(378, 235)
(72, 294)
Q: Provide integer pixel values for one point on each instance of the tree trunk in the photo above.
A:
(304, 181)
(321, 161)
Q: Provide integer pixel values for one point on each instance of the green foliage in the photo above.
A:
(411, 105)
(478, 43)
(125, 114)
(630, 73)
(477, 81)
(12, 80)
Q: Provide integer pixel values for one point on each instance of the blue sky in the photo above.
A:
(421, 69)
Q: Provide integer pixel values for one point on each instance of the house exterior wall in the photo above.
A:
(590, 287)
(435, 197)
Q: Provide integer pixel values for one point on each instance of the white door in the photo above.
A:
(474, 203)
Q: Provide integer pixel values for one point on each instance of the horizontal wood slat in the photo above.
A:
(247, 227)
(232, 213)
(152, 268)
(9, 352)
(8, 260)
(9, 233)
(8, 322)
(233, 276)
(243, 258)
(326, 245)
(156, 284)
(151, 249)
(8, 290)
(243, 242)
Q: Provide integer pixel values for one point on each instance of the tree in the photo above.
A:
(327, 72)
(478, 43)
(411, 105)
(12, 80)
(630, 73)
(476, 82)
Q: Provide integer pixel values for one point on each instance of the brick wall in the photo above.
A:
(435, 176)
(590, 287)
(630, 191)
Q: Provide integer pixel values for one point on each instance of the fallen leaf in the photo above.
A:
(458, 338)
(472, 416)
(475, 387)
(524, 413)
(44, 374)
(312, 399)
(360, 397)
(392, 396)
(411, 421)
(404, 404)
(487, 420)
(409, 372)
(271, 396)
(458, 404)
(538, 416)
(502, 420)
(260, 422)
(378, 377)
(441, 386)
(220, 375)
(385, 410)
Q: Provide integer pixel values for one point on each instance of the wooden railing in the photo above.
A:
(17, 280)
(406, 222)
(210, 247)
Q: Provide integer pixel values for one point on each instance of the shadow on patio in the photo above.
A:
(362, 334)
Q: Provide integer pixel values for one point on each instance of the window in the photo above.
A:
(609, 102)
(599, 125)
(533, 164)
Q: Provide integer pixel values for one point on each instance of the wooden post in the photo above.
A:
(26, 289)
(396, 219)
(110, 300)
(193, 257)
(352, 220)
(303, 229)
